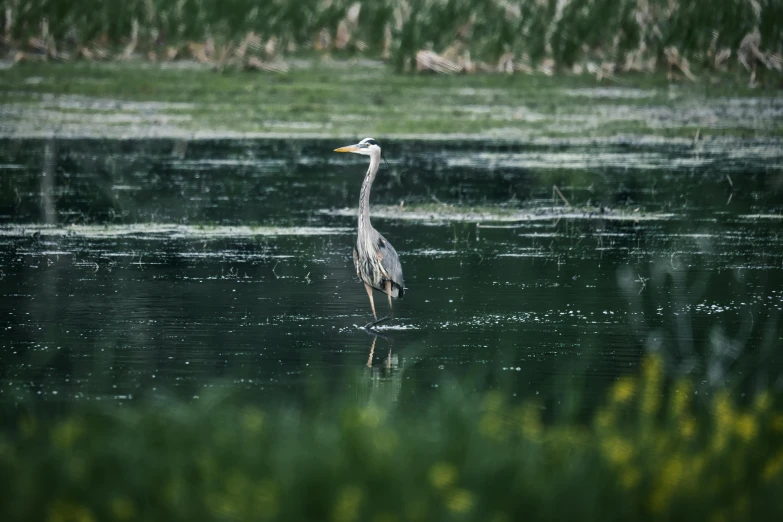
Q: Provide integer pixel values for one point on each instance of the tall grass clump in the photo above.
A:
(653, 450)
(495, 35)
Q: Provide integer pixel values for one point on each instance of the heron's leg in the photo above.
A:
(388, 294)
(372, 303)
(372, 350)
(377, 321)
(387, 316)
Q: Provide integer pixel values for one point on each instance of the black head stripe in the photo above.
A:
(371, 142)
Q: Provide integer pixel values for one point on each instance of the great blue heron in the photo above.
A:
(376, 261)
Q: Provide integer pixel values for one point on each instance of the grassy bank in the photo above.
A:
(339, 99)
(508, 35)
(652, 451)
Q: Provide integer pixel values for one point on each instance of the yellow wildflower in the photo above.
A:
(670, 476)
(442, 475)
(672, 471)
(723, 409)
(617, 450)
(652, 372)
(696, 466)
(688, 427)
(662, 442)
(719, 441)
(773, 467)
(346, 509)
(762, 401)
(459, 501)
(681, 397)
(651, 401)
(491, 425)
(746, 427)
(724, 414)
(623, 390)
(529, 419)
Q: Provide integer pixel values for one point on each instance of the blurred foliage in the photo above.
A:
(654, 450)
(622, 32)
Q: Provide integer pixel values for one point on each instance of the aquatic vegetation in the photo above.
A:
(598, 37)
(129, 100)
(502, 214)
(653, 450)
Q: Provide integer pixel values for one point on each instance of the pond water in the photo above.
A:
(130, 268)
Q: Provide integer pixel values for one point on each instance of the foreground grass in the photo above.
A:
(327, 100)
(643, 455)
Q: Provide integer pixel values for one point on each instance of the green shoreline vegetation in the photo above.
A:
(95, 99)
(510, 35)
(330, 67)
(653, 450)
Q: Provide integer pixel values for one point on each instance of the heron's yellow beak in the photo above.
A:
(349, 148)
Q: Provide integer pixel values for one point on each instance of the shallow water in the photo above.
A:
(129, 268)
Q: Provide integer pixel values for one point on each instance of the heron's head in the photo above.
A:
(366, 147)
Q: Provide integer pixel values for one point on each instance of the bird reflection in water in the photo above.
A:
(384, 373)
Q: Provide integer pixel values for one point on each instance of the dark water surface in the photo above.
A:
(134, 267)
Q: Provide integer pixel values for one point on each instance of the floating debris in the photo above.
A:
(427, 60)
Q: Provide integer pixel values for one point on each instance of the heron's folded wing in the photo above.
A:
(390, 262)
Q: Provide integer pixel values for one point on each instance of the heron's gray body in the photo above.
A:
(374, 257)
(377, 262)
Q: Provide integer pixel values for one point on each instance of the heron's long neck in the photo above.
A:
(364, 197)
